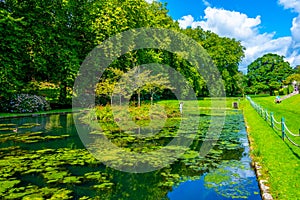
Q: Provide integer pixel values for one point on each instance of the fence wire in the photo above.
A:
(279, 126)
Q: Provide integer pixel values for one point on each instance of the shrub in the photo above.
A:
(24, 103)
(283, 91)
(46, 89)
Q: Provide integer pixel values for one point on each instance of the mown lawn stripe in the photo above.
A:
(280, 163)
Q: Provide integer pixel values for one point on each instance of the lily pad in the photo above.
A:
(103, 186)
(6, 184)
(72, 179)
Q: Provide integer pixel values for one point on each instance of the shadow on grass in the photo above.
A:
(287, 144)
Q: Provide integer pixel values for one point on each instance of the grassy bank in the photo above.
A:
(288, 108)
(203, 104)
(3, 115)
(206, 103)
(279, 160)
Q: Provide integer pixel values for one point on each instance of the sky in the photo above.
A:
(262, 26)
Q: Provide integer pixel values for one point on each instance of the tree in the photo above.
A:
(58, 37)
(290, 79)
(107, 85)
(48, 40)
(293, 79)
(155, 84)
(226, 54)
(267, 73)
(140, 79)
(14, 56)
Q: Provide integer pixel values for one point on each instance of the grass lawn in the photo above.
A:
(206, 103)
(2, 115)
(203, 104)
(279, 159)
(289, 109)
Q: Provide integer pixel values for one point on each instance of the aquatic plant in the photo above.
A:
(68, 173)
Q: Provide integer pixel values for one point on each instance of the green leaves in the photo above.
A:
(226, 54)
(267, 73)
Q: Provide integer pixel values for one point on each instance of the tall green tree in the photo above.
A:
(14, 55)
(267, 73)
(59, 35)
(226, 53)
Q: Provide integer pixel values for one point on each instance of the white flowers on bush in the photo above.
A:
(23, 103)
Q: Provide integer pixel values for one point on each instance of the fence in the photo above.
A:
(278, 126)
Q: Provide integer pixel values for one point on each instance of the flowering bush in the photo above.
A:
(24, 103)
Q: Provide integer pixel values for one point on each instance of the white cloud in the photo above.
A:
(206, 3)
(186, 21)
(295, 30)
(293, 53)
(291, 4)
(263, 44)
(246, 29)
(149, 1)
(229, 23)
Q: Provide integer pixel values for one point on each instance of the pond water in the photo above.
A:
(231, 179)
(44, 157)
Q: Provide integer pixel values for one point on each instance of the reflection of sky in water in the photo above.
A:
(232, 179)
(193, 190)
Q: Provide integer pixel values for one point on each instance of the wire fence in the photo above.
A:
(278, 126)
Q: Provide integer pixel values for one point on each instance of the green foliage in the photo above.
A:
(293, 77)
(13, 57)
(46, 89)
(46, 41)
(267, 73)
(226, 54)
(24, 103)
(105, 114)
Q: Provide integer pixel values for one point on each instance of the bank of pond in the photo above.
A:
(44, 157)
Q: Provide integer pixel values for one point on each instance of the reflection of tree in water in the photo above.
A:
(156, 184)
(59, 121)
(53, 122)
(133, 186)
(233, 179)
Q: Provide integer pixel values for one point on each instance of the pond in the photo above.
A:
(43, 157)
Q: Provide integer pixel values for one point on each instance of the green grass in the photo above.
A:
(289, 109)
(207, 102)
(203, 104)
(279, 159)
(3, 115)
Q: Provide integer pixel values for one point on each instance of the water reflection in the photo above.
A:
(232, 179)
(63, 165)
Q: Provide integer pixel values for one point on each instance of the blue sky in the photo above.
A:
(263, 26)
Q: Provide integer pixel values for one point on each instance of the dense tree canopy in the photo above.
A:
(46, 41)
(226, 54)
(267, 73)
(294, 78)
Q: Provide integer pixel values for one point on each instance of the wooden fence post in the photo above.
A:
(282, 127)
(272, 122)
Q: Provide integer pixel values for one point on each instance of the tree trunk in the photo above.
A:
(63, 94)
(139, 99)
(152, 98)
